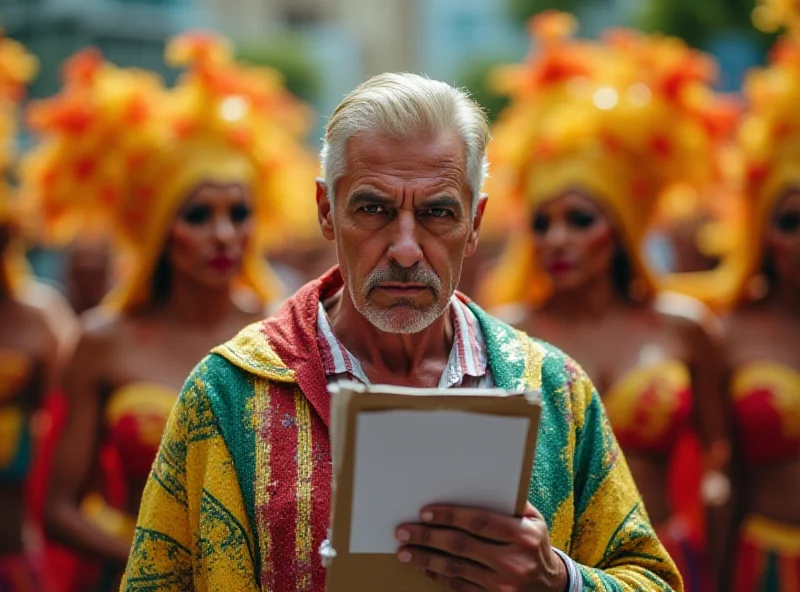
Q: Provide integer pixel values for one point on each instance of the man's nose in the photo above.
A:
(405, 249)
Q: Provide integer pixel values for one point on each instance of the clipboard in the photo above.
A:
(358, 569)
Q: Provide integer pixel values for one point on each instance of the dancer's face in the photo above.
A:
(210, 235)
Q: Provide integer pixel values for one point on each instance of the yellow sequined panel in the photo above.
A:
(225, 548)
(250, 350)
(533, 355)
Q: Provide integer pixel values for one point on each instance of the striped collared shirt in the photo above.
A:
(467, 367)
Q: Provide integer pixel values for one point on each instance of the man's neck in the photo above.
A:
(389, 357)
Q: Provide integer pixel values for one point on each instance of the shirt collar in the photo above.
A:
(468, 355)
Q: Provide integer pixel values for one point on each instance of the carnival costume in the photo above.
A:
(120, 155)
(629, 121)
(17, 68)
(766, 394)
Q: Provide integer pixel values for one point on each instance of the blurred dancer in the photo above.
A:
(192, 181)
(87, 273)
(306, 256)
(764, 327)
(497, 221)
(595, 134)
(27, 349)
(682, 220)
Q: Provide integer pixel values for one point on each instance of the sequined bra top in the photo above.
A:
(767, 402)
(136, 415)
(650, 407)
(15, 430)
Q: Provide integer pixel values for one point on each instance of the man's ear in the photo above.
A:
(472, 243)
(324, 210)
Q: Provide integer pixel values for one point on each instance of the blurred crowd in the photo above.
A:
(638, 219)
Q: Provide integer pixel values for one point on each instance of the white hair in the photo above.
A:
(403, 106)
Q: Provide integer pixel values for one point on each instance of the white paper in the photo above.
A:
(405, 460)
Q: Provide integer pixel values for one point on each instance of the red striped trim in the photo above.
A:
(281, 510)
(321, 480)
(293, 563)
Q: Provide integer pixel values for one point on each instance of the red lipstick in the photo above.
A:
(559, 266)
(222, 263)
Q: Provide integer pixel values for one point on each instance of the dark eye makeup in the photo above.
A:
(201, 213)
(579, 219)
(540, 224)
(197, 214)
(240, 213)
(788, 222)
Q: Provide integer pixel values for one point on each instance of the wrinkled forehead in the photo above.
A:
(421, 160)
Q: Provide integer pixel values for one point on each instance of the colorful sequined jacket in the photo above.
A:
(239, 496)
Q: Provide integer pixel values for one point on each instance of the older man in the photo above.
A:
(239, 497)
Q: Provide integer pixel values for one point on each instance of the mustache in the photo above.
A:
(403, 275)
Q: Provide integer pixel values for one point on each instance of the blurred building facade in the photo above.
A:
(130, 32)
(451, 33)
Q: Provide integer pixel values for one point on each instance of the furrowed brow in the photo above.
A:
(363, 197)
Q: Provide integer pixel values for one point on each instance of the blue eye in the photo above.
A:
(373, 210)
(439, 212)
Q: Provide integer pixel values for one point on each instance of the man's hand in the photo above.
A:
(475, 550)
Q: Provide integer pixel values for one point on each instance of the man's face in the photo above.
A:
(402, 223)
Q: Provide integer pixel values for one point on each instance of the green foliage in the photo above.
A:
(522, 10)
(697, 21)
(292, 59)
(474, 77)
